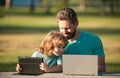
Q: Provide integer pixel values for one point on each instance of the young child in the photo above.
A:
(51, 50)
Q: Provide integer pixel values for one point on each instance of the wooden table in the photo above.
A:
(56, 75)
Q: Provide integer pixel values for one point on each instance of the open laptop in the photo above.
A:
(30, 65)
(80, 64)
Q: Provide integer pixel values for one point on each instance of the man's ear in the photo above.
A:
(76, 23)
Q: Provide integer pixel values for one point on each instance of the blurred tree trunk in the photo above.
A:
(48, 6)
(103, 10)
(82, 5)
(62, 4)
(90, 2)
(117, 5)
(8, 4)
(41, 3)
(114, 6)
(32, 8)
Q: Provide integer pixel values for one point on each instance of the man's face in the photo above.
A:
(67, 28)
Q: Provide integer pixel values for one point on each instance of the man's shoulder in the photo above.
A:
(88, 35)
(90, 38)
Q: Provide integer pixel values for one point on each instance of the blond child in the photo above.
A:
(51, 50)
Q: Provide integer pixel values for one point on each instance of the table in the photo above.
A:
(56, 75)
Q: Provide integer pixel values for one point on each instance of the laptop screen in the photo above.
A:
(80, 64)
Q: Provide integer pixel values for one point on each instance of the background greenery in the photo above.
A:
(22, 31)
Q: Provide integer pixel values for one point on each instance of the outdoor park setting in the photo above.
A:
(23, 27)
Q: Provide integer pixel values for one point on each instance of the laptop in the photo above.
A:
(30, 65)
(80, 65)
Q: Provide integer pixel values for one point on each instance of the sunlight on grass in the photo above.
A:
(12, 46)
(112, 52)
(36, 21)
(99, 22)
(27, 21)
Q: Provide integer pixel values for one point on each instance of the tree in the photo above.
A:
(82, 5)
(63, 4)
(114, 5)
(8, 4)
(103, 10)
(48, 6)
(32, 8)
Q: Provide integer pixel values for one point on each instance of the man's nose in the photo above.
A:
(64, 31)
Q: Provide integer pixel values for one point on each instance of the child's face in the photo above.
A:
(58, 50)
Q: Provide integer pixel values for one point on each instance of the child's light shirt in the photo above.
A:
(50, 60)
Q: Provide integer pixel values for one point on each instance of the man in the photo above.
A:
(79, 42)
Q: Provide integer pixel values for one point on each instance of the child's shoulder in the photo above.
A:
(37, 54)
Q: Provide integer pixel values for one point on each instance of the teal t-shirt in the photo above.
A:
(50, 60)
(86, 44)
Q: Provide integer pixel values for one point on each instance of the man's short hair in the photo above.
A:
(67, 14)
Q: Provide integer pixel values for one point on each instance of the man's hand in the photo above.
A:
(101, 64)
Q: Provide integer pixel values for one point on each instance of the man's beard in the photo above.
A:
(71, 35)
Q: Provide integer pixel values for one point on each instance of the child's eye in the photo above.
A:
(59, 47)
(63, 47)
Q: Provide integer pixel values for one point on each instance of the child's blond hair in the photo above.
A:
(53, 39)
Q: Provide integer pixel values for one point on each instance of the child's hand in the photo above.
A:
(44, 67)
(18, 68)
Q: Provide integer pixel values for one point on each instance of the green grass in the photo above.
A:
(20, 35)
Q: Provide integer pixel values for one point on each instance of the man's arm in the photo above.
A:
(101, 64)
